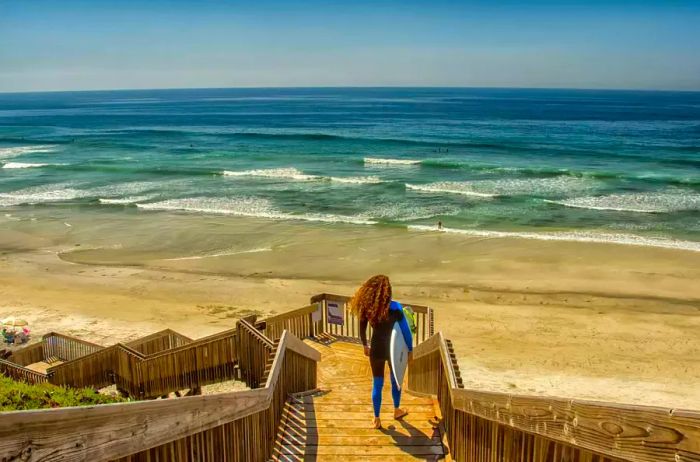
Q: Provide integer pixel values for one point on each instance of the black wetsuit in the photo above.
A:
(381, 337)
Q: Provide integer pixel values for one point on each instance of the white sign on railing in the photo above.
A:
(334, 312)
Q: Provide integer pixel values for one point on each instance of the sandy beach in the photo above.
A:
(594, 321)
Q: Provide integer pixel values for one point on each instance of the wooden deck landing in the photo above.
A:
(334, 424)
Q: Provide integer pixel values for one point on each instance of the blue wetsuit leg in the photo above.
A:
(395, 391)
(377, 385)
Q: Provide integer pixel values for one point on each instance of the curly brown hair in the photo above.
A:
(372, 299)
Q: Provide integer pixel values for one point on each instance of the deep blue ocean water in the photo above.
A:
(570, 164)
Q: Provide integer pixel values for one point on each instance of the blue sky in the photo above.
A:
(83, 45)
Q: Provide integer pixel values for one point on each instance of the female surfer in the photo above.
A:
(372, 304)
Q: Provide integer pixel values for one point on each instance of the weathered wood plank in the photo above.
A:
(117, 430)
(414, 407)
(360, 440)
(363, 423)
(385, 413)
(388, 450)
(352, 458)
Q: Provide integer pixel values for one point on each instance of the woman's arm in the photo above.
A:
(363, 335)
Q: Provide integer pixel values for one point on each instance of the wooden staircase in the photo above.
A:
(333, 423)
(455, 364)
(268, 363)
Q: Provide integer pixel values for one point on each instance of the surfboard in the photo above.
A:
(398, 354)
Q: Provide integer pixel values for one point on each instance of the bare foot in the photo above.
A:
(400, 413)
(376, 423)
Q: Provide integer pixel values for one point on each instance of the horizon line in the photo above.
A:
(293, 87)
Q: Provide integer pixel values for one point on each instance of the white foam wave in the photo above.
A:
(23, 165)
(246, 207)
(401, 211)
(131, 188)
(222, 254)
(664, 202)
(123, 200)
(19, 150)
(446, 187)
(356, 179)
(42, 194)
(572, 236)
(509, 187)
(282, 173)
(397, 162)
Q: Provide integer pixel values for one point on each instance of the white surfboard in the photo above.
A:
(398, 354)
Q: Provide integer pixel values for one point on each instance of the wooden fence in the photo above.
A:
(67, 348)
(94, 370)
(191, 365)
(21, 373)
(485, 426)
(299, 322)
(160, 341)
(350, 327)
(145, 368)
(29, 354)
(255, 350)
(234, 426)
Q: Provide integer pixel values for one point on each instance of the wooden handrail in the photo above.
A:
(143, 344)
(256, 333)
(117, 430)
(291, 314)
(17, 372)
(437, 343)
(194, 343)
(324, 296)
(351, 325)
(29, 354)
(71, 338)
(627, 432)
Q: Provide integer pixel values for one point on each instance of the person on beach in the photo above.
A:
(372, 304)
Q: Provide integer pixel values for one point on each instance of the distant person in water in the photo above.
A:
(372, 304)
(440, 225)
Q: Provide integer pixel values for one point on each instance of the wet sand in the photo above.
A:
(579, 320)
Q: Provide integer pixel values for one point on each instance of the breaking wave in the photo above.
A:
(446, 187)
(22, 165)
(288, 173)
(246, 207)
(664, 202)
(19, 150)
(571, 236)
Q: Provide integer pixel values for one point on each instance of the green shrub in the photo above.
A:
(19, 396)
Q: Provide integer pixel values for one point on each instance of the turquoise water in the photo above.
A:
(542, 164)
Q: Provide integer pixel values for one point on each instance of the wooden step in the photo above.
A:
(352, 458)
(364, 432)
(389, 424)
(360, 440)
(356, 407)
(388, 450)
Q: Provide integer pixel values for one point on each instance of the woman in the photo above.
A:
(372, 304)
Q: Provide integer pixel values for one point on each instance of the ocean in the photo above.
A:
(571, 165)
